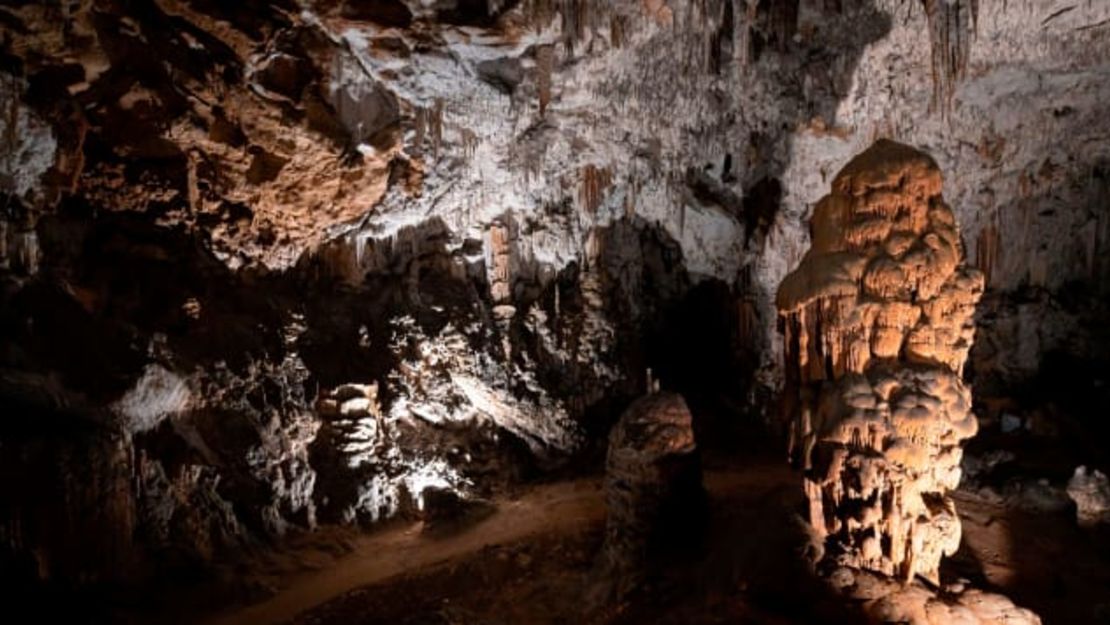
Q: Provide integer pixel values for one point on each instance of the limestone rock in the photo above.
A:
(157, 394)
(1090, 490)
(889, 601)
(878, 323)
(565, 171)
(651, 472)
(68, 511)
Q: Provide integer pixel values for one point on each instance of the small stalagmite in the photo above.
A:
(877, 321)
(653, 488)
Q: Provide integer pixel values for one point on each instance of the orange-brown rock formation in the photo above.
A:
(877, 321)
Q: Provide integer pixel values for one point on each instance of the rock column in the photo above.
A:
(877, 321)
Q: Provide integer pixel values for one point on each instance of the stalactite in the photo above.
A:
(618, 25)
(952, 24)
(986, 250)
(784, 21)
(748, 46)
(500, 254)
(1099, 195)
(1091, 247)
(577, 21)
(1038, 269)
(428, 124)
(11, 121)
(721, 41)
(768, 24)
(420, 129)
(435, 124)
(539, 13)
(595, 183)
(748, 322)
(545, 60)
(468, 140)
(632, 191)
(192, 183)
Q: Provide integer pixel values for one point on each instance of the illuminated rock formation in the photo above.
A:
(501, 213)
(1090, 490)
(878, 322)
(888, 601)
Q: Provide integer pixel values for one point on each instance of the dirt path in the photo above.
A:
(549, 509)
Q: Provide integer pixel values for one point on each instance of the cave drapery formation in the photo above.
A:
(878, 323)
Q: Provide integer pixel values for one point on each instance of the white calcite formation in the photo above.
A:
(606, 104)
(1090, 490)
(451, 406)
(157, 394)
(878, 322)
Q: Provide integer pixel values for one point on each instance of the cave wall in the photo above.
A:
(302, 261)
(1032, 206)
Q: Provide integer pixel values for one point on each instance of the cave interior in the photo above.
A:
(431, 312)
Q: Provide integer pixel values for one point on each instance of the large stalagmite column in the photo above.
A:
(877, 321)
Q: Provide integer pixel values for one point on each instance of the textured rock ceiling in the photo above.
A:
(271, 128)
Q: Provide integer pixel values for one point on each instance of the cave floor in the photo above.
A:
(529, 560)
(1043, 561)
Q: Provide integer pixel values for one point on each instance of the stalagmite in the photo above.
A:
(652, 484)
(878, 321)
